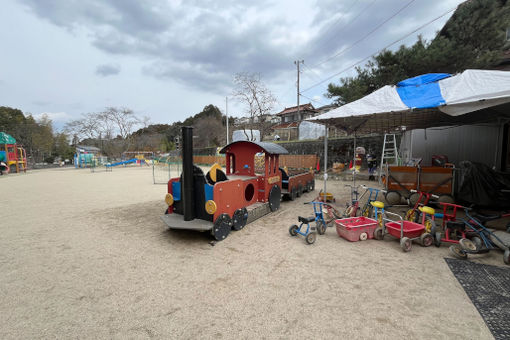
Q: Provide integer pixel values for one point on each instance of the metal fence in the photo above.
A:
(165, 168)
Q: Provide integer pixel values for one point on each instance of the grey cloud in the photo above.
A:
(107, 70)
(203, 42)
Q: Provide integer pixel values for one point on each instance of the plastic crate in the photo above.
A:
(411, 229)
(352, 227)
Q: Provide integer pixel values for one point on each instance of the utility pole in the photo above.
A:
(226, 114)
(297, 62)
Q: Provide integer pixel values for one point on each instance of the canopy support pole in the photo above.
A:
(325, 162)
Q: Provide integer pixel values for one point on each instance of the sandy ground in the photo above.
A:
(85, 255)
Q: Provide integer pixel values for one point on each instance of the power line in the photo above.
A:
(379, 51)
(315, 100)
(364, 10)
(315, 73)
(366, 35)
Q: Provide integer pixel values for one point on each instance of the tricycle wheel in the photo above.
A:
(426, 239)
(506, 256)
(293, 230)
(466, 244)
(494, 239)
(363, 236)
(437, 239)
(378, 233)
(310, 238)
(348, 211)
(478, 242)
(457, 252)
(321, 227)
(430, 225)
(405, 244)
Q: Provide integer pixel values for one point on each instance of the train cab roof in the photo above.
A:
(254, 147)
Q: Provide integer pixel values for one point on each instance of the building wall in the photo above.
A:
(477, 143)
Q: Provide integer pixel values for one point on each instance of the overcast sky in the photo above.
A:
(168, 59)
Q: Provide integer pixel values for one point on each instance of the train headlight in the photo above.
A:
(210, 207)
(169, 199)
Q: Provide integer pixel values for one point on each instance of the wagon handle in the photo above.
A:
(388, 220)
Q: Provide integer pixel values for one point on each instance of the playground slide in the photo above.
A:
(132, 160)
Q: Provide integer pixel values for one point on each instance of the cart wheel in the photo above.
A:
(411, 215)
(437, 239)
(363, 236)
(466, 244)
(506, 256)
(293, 194)
(392, 197)
(378, 233)
(321, 227)
(299, 191)
(426, 239)
(405, 244)
(293, 230)
(310, 238)
(457, 252)
(380, 218)
(446, 199)
(478, 242)
(413, 199)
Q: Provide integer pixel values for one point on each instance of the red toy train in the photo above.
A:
(220, 201)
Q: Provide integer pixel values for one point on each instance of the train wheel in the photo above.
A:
(221, 227)
(446, 199)
(275, 197)
(239, 219)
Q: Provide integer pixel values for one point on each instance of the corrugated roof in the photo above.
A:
(270, 148)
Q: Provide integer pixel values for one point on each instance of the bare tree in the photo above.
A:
(112, 128)
(256, 97)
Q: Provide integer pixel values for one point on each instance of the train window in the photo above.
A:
(274, 164)
(260, 163)
(232, 164)
(249, 191)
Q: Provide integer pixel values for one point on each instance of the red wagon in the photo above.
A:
(356, 228)
(406, 231)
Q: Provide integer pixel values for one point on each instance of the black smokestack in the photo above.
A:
(187, 173)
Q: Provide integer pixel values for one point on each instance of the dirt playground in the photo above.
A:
(85, 255)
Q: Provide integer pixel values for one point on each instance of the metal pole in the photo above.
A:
(325, 162)
(298, 117)
(226, 114)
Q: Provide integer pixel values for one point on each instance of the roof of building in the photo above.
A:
(304, 107)
(286, 125)
(87, 148)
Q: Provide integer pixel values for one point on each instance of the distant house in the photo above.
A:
(291, 117)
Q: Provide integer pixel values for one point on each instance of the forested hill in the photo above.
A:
(474, 37)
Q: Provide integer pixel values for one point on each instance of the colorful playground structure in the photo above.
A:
(13, 157)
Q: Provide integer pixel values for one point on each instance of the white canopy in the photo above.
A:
(438, 102)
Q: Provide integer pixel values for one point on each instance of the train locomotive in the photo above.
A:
(220, 202)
